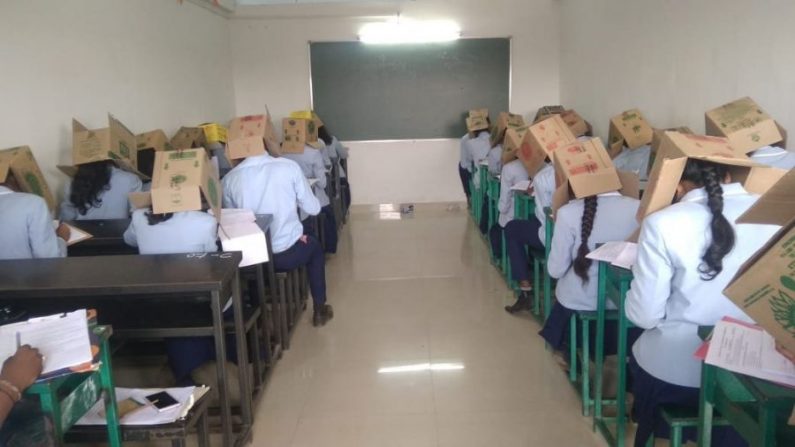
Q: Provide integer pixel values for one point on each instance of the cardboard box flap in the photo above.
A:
(123, 140)
(69, 170)
(188, 138)
(550, 135)
(140, 200)
(776, 206)
(744, 123)
(19, 163)
(482, 112)
(180, 180)
(632, 127)
(511, 143)
(111, 143)
(547, 111)
(477, 123)
(630, 184)
(77, 126)
(154, 139)
(576, 123)
(5, 170)
(586, 168)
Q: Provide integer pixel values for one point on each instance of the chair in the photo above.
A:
(679, 418)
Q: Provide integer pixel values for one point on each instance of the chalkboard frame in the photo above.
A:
(508, 40)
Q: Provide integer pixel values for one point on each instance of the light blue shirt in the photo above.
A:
(275, 186)
(774, 156)
(465, 161)
(512, 173)
(324, 151)
(634, 160)
(494, 158)
(668, 298)
(543, 189)
(115, 202)
(614, 221)
(477, 149)
(184, 232)
(335, 152)
(311, 163)
(26, 227)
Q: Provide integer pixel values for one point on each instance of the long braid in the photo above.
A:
(723, 237)
(581, 263)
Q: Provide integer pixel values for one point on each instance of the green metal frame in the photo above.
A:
(66, 399)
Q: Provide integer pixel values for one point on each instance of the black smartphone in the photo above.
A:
(162, 401)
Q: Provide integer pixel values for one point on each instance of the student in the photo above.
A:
(477, 149)
(579, 226)
(494, 157)
(311, 164)
(276, 186)
(27, 225)
(21, 421)
(465, 167)
(687, 254)
(513, 172)
(337, 152)
(774, 156)
(634, 160)
(99, 190)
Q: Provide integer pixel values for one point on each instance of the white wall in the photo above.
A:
(271, 66)
(152, 63)
(675, 59)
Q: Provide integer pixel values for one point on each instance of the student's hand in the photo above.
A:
(304, 239)
(530, 190)
(63, 232)
(23, 368)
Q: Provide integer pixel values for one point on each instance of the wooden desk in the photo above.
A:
(108, 238)
(147, 282)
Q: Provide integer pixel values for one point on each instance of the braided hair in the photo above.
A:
(709, 176)
(154, 219)
(90, 181)
(581, 263)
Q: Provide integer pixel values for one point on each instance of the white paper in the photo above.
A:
(246, 237)
(521, 185)
(749, 350)
(146, 415)
(619, 253)
(236, 215)
(62, 339)
(75, 234)
(313, 182)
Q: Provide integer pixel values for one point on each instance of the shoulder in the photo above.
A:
(570, 212)
(124, 176)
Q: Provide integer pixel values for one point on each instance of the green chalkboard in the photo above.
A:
(414, 91)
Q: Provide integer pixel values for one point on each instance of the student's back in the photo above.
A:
(775, 157)
(111, 202)
(26, 227)
(614, 221)
(183, 232)
(312, 166)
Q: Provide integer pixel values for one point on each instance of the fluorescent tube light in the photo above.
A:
(400, 30)
(421, 367)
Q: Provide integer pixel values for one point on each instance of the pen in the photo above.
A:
(19, 340)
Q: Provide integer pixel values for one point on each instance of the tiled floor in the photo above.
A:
(418, 291)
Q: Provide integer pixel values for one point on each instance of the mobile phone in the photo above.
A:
(162, 401)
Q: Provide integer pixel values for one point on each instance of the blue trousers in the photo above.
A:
(346, 194)
(309, 254)
(484, 216)
(465, 177)
(518, 235)
(329, 228)
(495, 238)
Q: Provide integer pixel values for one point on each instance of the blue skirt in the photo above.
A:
(556, 331)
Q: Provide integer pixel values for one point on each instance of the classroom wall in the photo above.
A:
(271, 66)
(676, 59)
(152, 63)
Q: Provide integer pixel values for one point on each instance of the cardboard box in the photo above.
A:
(586, 168)
(764, 287)
(247, 135)
(148, 144)
(214, 133)
(673, 153)
(577, 125)
(477, 123)
(504, 121)
(512, 142)
(547, 111)
(308, 115)
(632, 128)
(482, 113)
(745, 124)
(542, 140)
(114, 142)
(188, 138)
(297, 134)
(180, 180)
(18, 166)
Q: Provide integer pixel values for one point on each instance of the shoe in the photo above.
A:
(321, 316)
(522, 303)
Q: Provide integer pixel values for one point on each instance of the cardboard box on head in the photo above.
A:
(577, 125)
(181, 178)
(505, 121)
(314, 123)
(542, 140)
(745, 124)
(19, 167)
(214, 133)
(148, 144)
(247, 135)
(114, 142)
(188, 138)
(674, 151)
(478, 113)
(512, 142)
(297, 134)
(586, 169)
(547, 111)
(628, 129)
(764, 287)
(475, 124)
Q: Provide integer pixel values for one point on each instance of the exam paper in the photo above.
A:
(239, 232)
(619, 253)
(521, 186)
(147, 415)
(75, 234)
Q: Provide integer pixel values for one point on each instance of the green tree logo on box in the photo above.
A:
(34, 185)
(177, 180)
(124, 150)
(783, 306)
(212, 191)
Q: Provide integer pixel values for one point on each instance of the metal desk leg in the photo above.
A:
(242, 353)
(109, 395)
(621, 392)
(705, 405)
(601, 303)
(203, 430)
(266, 336)
(220, 367)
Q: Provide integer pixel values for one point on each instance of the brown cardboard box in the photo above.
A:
(247, 135)
(577, 125)
(19, 163)
(477, 123)
(675, 148)
(542, 140)
(547, 111)
(188, 138)
(114, 142)
(297, 134)
(764, 287)
(631, 127)
(313, 124)
(148, 144)
(482, 113)
(512, 142)
(745, 124)
(504, 121)
(586, 168)
(180, 180)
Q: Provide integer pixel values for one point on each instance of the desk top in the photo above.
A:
(117, 275)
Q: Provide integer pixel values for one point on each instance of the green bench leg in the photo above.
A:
(586, 376)
(676, 435)
(573, 348)
(109, 392)
(52, 407)
(536, 287)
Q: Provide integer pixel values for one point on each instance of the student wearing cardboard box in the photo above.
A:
(477, 120)
(299, 146)
(277, 186)
(688, 252)
(512, 172)
(629, 138)
(597, 213)
(335, 152)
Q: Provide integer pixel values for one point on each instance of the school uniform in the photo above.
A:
(614, 221)
(276, 186)
(324, 151)
(312, 166)
(494, 158)
(464, 164)
(521, 233)
(774, 156)
(27, 227)
(339, 152)
(512, 173)
(478, 148)
(115, 203)
(634, 160)
(669, 299)
(184, 232)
